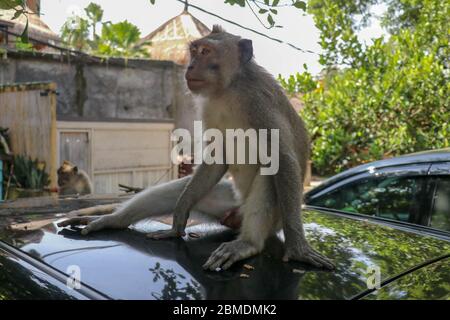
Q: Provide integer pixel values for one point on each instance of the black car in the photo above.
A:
(414, 188)
(374, 259)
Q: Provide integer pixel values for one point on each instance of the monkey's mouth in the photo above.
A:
(195, 83)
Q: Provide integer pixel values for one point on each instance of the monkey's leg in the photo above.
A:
(289, 189)
(205, 178)
(158, 201)
(259, 222)
(96, 210)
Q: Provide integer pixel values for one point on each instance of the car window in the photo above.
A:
(392, 197)
(440, 214)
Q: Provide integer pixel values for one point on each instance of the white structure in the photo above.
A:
(131, 153)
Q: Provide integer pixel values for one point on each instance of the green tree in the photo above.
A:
(379, 100)
(94, 14)
(119, 40)
(116, 39)
(75, 33)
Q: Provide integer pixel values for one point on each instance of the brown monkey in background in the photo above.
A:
(72, 180)
(236, 93)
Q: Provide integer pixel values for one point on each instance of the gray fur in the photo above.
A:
(238, 94)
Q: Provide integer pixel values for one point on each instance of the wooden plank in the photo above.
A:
(105, 159)
(53, 167)
(74, 147)
(114, 125)
(124, 140)
(31, 119)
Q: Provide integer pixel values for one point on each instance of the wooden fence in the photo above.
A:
(29, 111)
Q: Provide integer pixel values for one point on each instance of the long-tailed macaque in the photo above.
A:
(236, 93)
(72, 180)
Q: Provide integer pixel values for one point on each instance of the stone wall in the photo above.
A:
(89, 87)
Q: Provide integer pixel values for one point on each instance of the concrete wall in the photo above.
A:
(91, 88)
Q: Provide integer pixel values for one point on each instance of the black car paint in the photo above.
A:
(124, 265)
(436, 289)
(23, 277)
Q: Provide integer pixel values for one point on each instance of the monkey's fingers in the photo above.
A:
(76, 221)
(228, 253)
(94, 225)
(165, 234)
(310, 256)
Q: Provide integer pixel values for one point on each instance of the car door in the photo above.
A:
(401, 193)
(439, 217)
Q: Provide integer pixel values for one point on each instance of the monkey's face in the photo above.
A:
(215, 60)
(66, 173)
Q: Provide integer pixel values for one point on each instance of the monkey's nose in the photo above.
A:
(190, 67)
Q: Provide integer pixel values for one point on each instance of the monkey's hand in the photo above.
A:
(305, 253)
(166, 234)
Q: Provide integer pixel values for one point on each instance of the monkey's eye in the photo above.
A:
(205, 51)
(214, 66)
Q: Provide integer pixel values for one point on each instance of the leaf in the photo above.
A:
(274, 11)
(300, 5)
(262, 11)
(270, 20)
(152, 1)
(17, 14)
(233, 2)
(24, 35)
(275, 3)
(10, 4)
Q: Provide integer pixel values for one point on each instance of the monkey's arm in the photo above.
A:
(289, 190)
(205, 177)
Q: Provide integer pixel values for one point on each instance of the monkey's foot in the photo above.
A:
(165, 234)
(228, 253)
(93, 223)
(308, 255)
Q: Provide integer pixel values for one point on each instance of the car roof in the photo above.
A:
(123, 264)
(430, 156)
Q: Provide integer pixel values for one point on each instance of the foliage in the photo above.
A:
(393, 95)
(116, 39)
(269, 8)
(119, 40)
(95, 15)
(21, 45)
(75, 33)
(30, 174)
(20, 9)
(299, 83)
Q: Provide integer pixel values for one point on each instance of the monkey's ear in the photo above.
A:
(217, 29)
(245, 50)
(75, 169)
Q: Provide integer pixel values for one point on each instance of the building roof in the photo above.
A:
(37, 29)
(170, 40)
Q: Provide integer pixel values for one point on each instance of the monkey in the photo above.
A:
(235, 92)
(72, 180)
